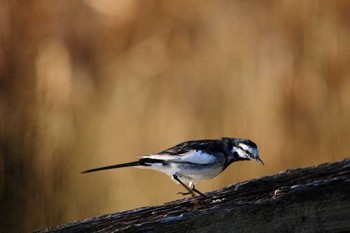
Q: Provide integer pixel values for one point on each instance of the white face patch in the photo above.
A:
(252, 150)
(246, 152)
(241, 153)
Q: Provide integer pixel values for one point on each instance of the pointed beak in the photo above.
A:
(260, 161)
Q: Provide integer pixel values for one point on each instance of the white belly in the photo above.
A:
(189, 173)
(191, 166)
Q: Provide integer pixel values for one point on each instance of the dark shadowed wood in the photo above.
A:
(312, 199)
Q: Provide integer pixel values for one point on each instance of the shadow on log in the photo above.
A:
(312, 199)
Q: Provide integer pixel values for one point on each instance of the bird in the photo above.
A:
(196, 160)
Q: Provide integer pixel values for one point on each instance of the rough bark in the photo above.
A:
(312, 199)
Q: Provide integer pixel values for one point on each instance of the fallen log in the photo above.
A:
(312, 199)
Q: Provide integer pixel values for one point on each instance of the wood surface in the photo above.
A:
(312, 199)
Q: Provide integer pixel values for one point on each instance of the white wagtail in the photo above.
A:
(192, 161)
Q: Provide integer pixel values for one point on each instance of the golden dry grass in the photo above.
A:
(92, 83)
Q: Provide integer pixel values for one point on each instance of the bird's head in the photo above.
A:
(243, 149)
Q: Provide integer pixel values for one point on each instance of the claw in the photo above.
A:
(183, 193)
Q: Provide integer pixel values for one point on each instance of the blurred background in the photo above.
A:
(90, 83)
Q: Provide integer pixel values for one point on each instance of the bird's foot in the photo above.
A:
(184, 193)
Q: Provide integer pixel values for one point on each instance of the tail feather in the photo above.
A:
(149, 161)
(131, 164)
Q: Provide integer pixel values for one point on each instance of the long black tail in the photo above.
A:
(131, 164)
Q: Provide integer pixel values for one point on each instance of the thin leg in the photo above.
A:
(193, 188)
(185, 186)
(197, 191)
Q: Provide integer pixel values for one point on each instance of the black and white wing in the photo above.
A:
(196, 152)
(188, 146)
